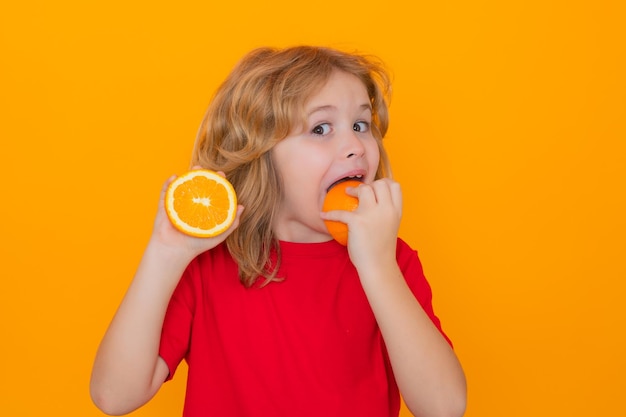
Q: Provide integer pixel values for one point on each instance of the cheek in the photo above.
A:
(373, 156)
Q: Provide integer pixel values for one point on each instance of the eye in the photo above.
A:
(361, 127)
(321, 129)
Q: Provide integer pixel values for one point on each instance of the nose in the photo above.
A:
(352, 146)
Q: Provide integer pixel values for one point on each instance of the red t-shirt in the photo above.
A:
(306, 346)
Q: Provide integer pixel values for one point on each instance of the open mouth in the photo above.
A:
(348, 178)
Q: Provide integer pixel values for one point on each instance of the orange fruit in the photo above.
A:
(201, 203)
(337, 199)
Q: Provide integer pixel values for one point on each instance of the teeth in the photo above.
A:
(358, 177)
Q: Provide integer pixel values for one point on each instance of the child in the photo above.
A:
(273, 317)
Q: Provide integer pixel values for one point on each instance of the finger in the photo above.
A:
(235, 223)
(364, 192)
(382, 190)
(374, 193)
(396, 194)
(353, 191)
(342, 216)
(165, 185)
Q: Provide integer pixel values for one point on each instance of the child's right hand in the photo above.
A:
(164, 234)
(127, 370)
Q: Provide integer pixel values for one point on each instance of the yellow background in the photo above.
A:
(508, 135)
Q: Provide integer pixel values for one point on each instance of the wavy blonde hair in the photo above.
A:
(259, 104)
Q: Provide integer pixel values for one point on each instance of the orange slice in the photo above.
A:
(201, 203)
(337, 199)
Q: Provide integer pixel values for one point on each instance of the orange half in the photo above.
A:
(201, 203)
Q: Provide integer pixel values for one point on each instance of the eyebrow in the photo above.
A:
(365, 106)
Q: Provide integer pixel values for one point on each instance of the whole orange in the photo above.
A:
(337, 199)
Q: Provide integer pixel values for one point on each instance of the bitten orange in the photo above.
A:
(201, 203)
(337, 199)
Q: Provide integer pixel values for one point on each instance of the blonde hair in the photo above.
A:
(259, 104)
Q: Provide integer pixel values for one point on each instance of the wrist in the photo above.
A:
(378, 268)
(170, 255)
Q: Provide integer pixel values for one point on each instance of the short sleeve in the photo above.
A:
(176, 331)
(411, 267)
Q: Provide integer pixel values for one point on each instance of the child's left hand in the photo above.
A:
(373, 226)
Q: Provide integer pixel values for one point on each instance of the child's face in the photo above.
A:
(336, 143)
